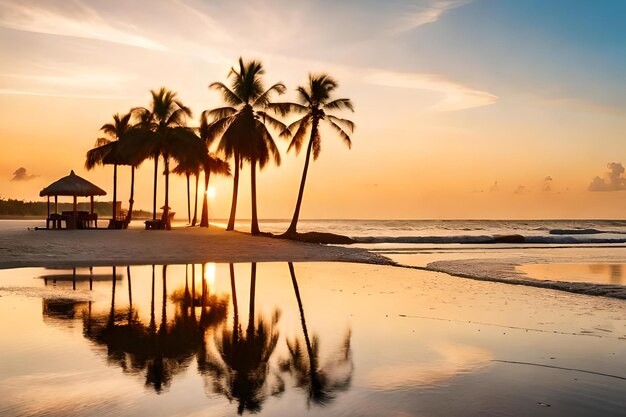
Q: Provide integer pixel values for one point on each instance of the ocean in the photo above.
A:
(459, 231)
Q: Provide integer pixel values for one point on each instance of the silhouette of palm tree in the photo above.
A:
(116, 151)
(315, 99)
(320, 382)
(164, 128)
(239, 370)
(241, 127)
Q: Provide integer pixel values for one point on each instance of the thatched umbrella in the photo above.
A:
(74, 186)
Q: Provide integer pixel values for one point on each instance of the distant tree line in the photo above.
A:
(13, 207)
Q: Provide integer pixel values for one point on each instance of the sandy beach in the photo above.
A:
(20, 247)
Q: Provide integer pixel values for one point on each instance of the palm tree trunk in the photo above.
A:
(254, 226)
(156, 173)
(250, 331)
(204, 294)
(309, 348)
(188, 200)
(114, 208)
(204, 221)
(193, 292)
(233, 290)
(164, 304)
(111, 321)
(152, 326)
(131, 200)
(292, 230)
(195, 203)
(130, 297)
(233, 204)
(166, 208)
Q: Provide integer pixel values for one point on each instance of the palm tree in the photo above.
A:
(164, 125)
(212, 164)
(314, 100)
(241, 127)
(115, 151)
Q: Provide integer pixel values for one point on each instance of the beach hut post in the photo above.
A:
(56, 204)
(48, 209)
(91, 201)
(74, 214)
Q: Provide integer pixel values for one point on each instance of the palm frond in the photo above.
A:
(97, 155)
(347, 123)
(279, 126)
(304, 96)
(341, 132)
(217, 113)
(302, 128)
(264, 99)
(317, 144)
(339, 104)
(284, 109)
(227, 95)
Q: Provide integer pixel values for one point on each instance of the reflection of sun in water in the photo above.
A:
(211, 192)
(209, 274)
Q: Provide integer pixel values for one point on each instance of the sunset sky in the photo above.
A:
(464, 109)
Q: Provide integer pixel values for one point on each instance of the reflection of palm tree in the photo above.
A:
(315, 100)
(161, 352)
(320, 383)
(241, 366)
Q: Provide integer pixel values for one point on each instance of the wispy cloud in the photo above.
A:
(419, 15)
(81, 22)
(456, 96)
(79, 83)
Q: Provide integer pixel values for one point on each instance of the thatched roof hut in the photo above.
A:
(72, 185)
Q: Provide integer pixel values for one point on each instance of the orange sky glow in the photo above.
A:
(446, 126)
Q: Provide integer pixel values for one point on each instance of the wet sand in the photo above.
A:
(20, 247)
(388, 342)
(513, 264)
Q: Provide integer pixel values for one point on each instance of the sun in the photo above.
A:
(211, 192)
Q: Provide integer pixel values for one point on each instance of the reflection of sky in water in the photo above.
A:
(333, 339)
(605, 273)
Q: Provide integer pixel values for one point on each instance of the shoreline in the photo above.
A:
(497, 270)
(22, 248)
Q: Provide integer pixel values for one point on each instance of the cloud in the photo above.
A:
(547, 184)
(20, 174)
(521, 189)
(456, 96)
(613, 180)
(419, 15)
(80, 21)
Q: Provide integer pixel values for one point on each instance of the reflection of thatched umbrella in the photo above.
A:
(73, 186)
(320, 383)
